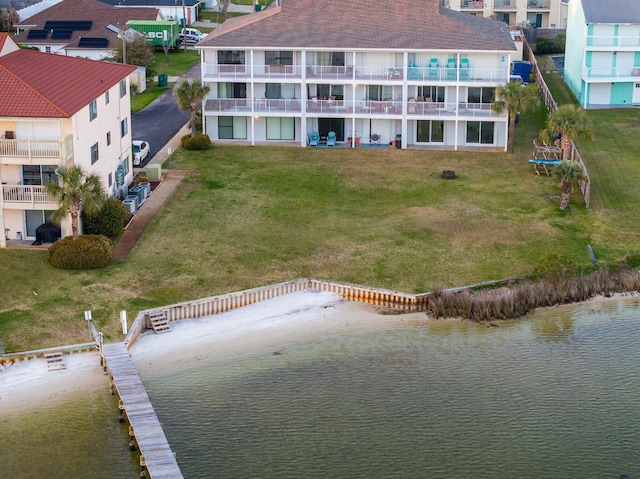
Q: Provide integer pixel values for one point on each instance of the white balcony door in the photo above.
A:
(38, 130)
(636, 94)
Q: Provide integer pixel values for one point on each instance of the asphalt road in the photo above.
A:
(161, 120)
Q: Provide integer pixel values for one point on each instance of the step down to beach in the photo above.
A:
(54, 360)
(159, 322)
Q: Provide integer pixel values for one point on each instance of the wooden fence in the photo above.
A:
(547, 98)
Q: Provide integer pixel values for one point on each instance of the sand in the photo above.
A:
(273, 324)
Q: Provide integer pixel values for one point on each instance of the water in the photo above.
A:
(552, 395)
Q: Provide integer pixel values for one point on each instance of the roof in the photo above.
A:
(152, 3)
(42, 85)
(365, 24)
(611, 11)
(98, 13)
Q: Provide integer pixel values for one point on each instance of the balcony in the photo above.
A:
(27, 197)
(504, 5)
(608, 74)
(472, 5)
(631, 41)
(261, 105)
(538, 5)
(35, 152)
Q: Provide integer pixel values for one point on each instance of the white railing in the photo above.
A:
(30, 151)
(33, 195)
(262, 105)
(613, 40)
(611, 72)
(277, 71)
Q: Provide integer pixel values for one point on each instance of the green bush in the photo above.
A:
(552, 267)
(88, 252)
(198, 142)
(109, 222)
(548, 45)
(632, 260)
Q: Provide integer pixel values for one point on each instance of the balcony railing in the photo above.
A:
(611, 72)
(472, 4)
(262, 105)
(613, 41)
(20, 196)
(35, 151)
(505, 4)
(538, 4)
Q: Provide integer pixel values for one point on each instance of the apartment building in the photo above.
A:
(57, 111)
(420, 74)
(524, 13)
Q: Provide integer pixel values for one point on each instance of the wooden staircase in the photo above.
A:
(54, 360)
(159, 322)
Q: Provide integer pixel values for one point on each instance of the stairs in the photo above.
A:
(54, 360)
(159, 322)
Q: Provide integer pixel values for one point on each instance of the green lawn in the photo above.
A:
(141, 100)
(176, 63)
(249, 216)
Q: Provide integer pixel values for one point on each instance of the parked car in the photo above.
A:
(140, 151)
(191, 36)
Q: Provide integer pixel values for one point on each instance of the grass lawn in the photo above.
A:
(141, 100)
(176, 63)
(249, 216)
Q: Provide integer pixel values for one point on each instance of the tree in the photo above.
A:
(223, 6)
(75, 192)
(188, 94)
(569, 173)
(9, 19)
(139, 52)
(513, 98)
(569, 122)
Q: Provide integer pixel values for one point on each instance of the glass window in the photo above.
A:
(106, 97)
(125, 165)
(481, 94)
(110, 179)
(93, 110)
(124, 128)
(94, 153)
(231, 57)
(280, 128)
(278, 58)
(430, 131)
(480, 132)
(123, 87)
(232, 127)
(38, 175)
(108, 138)
(436, 93)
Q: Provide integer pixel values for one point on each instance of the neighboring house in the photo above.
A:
(80, 28)
(524, 13)
(419, 72)
(170, 9)
(602, 56)
(57, 111)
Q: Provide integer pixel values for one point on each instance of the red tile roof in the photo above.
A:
(3, 38)
(42, 85)
(99, 13)
(365, 24)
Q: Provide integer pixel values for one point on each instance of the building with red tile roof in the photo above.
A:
(409, 71)
(58, 111)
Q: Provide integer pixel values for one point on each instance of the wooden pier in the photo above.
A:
(159, 460)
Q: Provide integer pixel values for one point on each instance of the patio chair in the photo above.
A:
(375, 138)
(464, 69)
(433, 69)
(451, 69)
(331, 138)
(314, 139)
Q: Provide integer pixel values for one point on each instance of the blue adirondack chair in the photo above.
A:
(331, 138)
(314, 139)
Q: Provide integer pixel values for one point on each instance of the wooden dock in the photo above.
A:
(152, 443)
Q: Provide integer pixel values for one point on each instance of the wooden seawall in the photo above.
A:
(152, 443)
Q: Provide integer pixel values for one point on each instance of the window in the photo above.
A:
(232, 127)
(278, 58)
(125, 165)
(106, 97)
(502, 17)
(335, 59)
(93, 110)
(110, 179)
(436, 93)
(232, 90)
(430, 131)
(47, 49)
(108, 138)
(230, 57)
(481, 94)
(379, 92)
(123, 87)
(326, 91)
(280, 128)
(124, 128)
(94, 153)
(480, 132)
(38, 175)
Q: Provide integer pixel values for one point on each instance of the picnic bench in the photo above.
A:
(542, 165)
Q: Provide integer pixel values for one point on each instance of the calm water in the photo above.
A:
(551, 396)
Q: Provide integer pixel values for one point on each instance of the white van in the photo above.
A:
(191, 35)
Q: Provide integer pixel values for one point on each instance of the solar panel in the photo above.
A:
(89, 42)
(37, 34)
(68, 24)
(59, 33)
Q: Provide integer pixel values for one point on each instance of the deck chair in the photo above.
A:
(464, 69)
(433, 69)
(314, 139)
(451, 69)
(331, 138)
(375, 138)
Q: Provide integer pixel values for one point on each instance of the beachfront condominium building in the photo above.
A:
(524, 13)
(602, 57)
(57, 111)
(369, 71)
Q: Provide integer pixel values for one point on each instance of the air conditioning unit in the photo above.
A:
(146, 186)
(133, 198)
(130, 205)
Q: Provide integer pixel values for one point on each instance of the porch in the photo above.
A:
(35, 152)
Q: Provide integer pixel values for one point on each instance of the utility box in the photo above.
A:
(521, 69)
(154, 172)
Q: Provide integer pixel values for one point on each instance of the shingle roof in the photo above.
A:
(42, 85)
(152, 3)
(611, 11)
(366, 24)
(99, 13)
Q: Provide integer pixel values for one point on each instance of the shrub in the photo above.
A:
(198, 142)
(87, 252)
(553, 267)
(109, 221)
(139, 178)
(547, 45)
(632, 260)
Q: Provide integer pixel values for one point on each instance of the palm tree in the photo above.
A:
(188, 94)
(76, 192)
(570, 122)
(569, 173)
(515, 99)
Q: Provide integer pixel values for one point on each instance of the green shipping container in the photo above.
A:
(160, 34)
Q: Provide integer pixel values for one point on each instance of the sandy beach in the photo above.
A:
(272, 324)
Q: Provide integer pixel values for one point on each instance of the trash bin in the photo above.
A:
(398, 141)
(258, 7)
(163, 79)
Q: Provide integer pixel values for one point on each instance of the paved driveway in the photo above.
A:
(161, 120)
